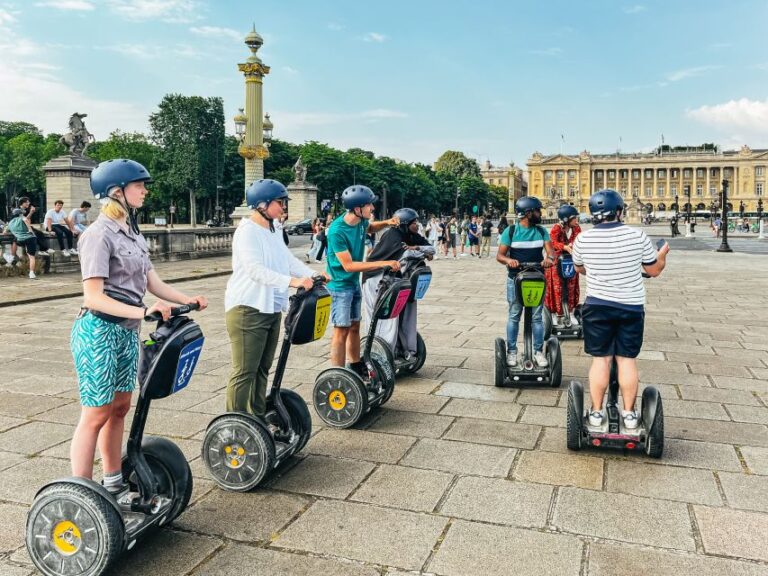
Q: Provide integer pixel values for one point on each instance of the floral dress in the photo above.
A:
(553, 296)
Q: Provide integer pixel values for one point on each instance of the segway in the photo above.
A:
(341, 396)
(648, 437)
(529, 287)
(414, 269)
(76, 527)
(239, 449)
(567, 330)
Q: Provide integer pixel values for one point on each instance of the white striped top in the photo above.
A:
(613, 255)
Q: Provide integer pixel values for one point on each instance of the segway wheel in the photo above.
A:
(421, 357)
(575, 416)
(500, 362)
(555, 359)
(73, 531)
(546, 317)
(238, 451)
(385, 373)
(652, 413)
(340, 397)
(170, 469)
(301, 420)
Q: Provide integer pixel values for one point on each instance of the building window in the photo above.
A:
(675, 173)
(624, 191)
(687, 173)
(759, 170)
(661, 173)
(699, 172)
(712, 190)
(673, 189)
(649, 173)
(635, 190)
(713, 172)
(599, 174)
(660, 190)
(560, 174)
(547, 174)
(611, 174)
(635, 173)
(559, 191)
(571, 174)
(648, 191)
(759, 188)
(699, 190)
(727, 173)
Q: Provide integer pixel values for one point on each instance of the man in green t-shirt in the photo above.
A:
(24, 236)
(346, 249)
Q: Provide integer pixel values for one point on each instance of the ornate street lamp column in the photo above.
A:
(249, 124)
(724, 247)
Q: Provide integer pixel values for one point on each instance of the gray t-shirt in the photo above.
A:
(109, 251)
(77, 217)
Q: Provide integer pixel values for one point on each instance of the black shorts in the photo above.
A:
(474, 241)
(30, 245)
(452, 240)
(610, 331)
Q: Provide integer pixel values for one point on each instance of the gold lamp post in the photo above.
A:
(249, 126)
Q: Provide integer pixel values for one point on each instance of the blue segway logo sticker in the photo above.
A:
(568, 269)
(187, 362)
(422, 284)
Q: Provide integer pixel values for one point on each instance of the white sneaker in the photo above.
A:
(32, 275)
(72, 252)
(557, 320)
(574, 320)
(65, 252)
(541, 359)
(511, 358)
(596, 418)
(630, 419)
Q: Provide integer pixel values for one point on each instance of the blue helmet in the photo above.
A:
(566, 212)
(116, 173)
(606, 204)
(406, 217)
(357, 196)
(527, 204)
(263, 192)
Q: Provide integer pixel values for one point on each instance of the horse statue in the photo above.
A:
(78, 138)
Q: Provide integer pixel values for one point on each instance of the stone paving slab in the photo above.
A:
(716, 431)
(405, 488)
(494, 433)
(745, 492)
(627, 518)
(460, 457)
(365, 533)
(471, 548)
(560, 469)
(756, 459)
(733, 533)
(322, 476)
(664, 482)
(503, 411)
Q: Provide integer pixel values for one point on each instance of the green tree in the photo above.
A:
(457, 164)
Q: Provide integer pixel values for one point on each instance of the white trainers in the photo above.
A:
(32, 275)
(541, 359)
(630, 419)
(596, 418)
(72, 252)
(511, 358)
(574, 320)
(557, 320)
(65, 252)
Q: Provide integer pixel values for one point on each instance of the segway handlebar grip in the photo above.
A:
(175, 311)
(529, 264)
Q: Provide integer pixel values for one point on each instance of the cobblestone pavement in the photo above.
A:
(454, 476)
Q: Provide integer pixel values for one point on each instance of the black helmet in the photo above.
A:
(116, 173)
(406, 216)
(263, 192)
(357, 196)
(605, 204)
(527, 204)
(566, 212)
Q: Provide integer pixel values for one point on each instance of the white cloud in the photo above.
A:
(374, 37)
(153, 52)
(636, 9)
(218, 32)
(744, 114)
(293, 121)
(6, 17)
(554, 51)
(678, 75)
(175, 11)
(76, 5)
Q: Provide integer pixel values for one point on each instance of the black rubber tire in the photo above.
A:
(171, 470)
(105, 531)
(500, 362)
(301, 419)
(421, 353)
(350, 384)
(381, 349)
(386, 373)
(654, 443)
(575, 416)
(555, 359)
(244, 431)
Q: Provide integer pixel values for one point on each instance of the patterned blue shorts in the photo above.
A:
(106, 359)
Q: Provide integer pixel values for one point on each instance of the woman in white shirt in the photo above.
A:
(263, 268)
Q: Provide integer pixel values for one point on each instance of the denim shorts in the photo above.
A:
(345, 306)
(106, 359)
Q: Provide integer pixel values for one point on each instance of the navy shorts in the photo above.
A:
(610, 331)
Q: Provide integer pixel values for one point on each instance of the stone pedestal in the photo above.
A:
(239, 213)
(634, 213)
(67, 178)
(303, 202)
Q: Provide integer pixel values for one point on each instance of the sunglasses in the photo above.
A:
(282, 201)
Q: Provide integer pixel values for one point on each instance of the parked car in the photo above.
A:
(299, 228)
(585, 218)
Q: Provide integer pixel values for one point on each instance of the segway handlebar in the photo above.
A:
(175, 311)
(529, 264)
(317, 280)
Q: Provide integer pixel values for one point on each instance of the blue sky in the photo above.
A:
(409, 79)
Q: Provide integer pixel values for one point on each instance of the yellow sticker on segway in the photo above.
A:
(532, 292)
(337, 400)
(322, 315)
(66, 537)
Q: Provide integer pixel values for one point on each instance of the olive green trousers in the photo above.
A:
(253, 337)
